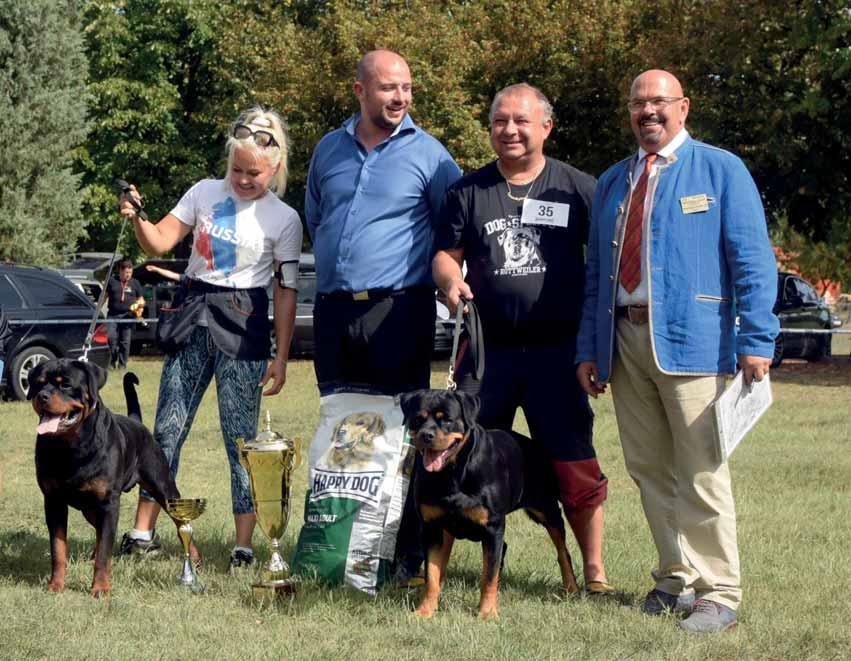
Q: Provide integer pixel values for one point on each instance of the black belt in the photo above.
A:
(375, 294)
(637, 314)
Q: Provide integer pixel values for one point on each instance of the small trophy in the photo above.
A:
(182, 511)
(270, 460)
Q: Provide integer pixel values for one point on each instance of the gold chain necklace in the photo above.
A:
(527, 182)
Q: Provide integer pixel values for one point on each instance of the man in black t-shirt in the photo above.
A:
(125, 301)
(521, 223)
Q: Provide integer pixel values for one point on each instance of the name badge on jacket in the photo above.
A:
(542, 212)
(695, 203)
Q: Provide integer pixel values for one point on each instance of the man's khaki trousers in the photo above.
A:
(666, 431)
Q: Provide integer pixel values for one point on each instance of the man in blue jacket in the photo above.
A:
(678, 248)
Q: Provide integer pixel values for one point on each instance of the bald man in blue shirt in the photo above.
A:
(374, 192)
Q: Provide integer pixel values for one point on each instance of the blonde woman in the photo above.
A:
(243, 234)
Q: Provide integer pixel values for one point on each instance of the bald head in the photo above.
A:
(658, 109)
(376, 60)
(658, 79)
(383, 88)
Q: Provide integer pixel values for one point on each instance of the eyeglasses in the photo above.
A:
(261, 138)
(657, 103)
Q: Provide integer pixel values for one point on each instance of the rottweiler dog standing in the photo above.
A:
(86, 456)
(471, 478)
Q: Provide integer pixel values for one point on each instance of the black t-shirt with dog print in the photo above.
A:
(527, 278)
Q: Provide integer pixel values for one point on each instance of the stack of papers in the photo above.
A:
(737, 410)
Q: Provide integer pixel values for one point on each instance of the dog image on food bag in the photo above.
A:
(353, 445)
(86, 456)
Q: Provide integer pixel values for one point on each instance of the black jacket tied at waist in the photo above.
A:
(238, 319)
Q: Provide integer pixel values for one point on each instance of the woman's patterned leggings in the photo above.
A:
(185, 376)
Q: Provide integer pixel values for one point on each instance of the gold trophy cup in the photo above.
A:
(182, 511)
(270, 460)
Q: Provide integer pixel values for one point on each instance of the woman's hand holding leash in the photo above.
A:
(131, 201)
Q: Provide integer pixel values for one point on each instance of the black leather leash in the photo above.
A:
(466, 310)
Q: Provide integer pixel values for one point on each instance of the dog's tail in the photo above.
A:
(134, 410)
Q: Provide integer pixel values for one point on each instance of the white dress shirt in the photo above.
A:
(639, 294)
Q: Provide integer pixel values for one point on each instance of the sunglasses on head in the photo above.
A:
(261, 138)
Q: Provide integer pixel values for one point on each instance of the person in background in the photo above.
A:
(243, 236)
(124, 301)
(678, 251)
(374, 191)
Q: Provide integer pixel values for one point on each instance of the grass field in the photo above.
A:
(792, 479)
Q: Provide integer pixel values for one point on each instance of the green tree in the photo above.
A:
(42, 103)
(771, 81)
(152, 91)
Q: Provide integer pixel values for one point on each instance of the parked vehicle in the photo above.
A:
(39, 296)
(87, 271)
(798, 306)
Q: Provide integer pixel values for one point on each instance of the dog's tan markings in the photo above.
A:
(489, 588)
(431, 512)
(59, 561)
(98, 486)
(443, 441)
(59, 378)
(477, 514)
(568, 578)
(439, 415)
(438, 558)
(423, 414)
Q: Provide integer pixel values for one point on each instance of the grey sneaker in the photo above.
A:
(139, 547)
(659, 603)
(709, 617)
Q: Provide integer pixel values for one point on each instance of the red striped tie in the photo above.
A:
(630, 271)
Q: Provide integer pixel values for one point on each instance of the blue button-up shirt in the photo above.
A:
(371, 215)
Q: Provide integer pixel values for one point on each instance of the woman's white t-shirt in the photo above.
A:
(235, 242)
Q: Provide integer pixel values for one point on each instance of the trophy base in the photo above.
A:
(270, 591)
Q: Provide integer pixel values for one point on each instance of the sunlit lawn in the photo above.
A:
(791, 478)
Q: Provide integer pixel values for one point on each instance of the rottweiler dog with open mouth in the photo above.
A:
(470, 479)
(86, 456)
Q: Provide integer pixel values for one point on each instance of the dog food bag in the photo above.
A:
(359, 471)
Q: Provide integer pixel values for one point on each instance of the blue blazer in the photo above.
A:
(706, 267)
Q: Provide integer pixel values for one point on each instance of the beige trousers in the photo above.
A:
(666, 431)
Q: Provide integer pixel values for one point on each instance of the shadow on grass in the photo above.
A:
(460, 594)
(25, 555)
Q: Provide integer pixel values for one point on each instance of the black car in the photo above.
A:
(799, 307)
(33, 301)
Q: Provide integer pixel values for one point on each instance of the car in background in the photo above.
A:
(33, 300)
(444, 327)
(87, 271)
(799, 307)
